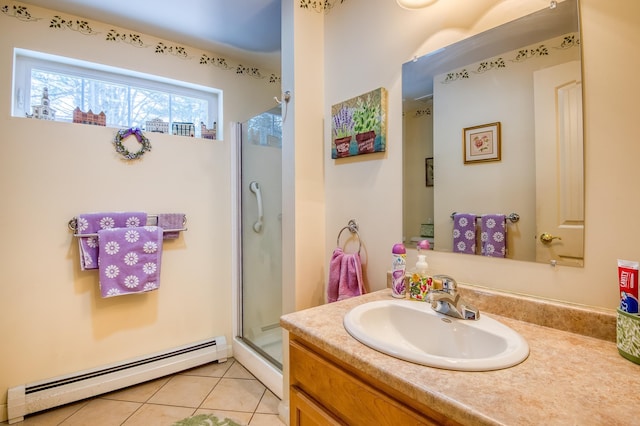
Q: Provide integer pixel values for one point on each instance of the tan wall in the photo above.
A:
(303, 217)
(418, 145)
(52, 318)
(366, 41)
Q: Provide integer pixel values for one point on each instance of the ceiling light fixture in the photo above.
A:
(415, 4)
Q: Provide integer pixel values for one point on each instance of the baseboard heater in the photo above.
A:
(34, 397)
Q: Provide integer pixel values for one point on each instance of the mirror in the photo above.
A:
(493, 125)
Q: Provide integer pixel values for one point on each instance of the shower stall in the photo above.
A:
(258, 191)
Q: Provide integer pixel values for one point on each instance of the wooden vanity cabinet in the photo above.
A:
(327, 391)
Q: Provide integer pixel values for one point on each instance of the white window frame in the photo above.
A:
(26, 60)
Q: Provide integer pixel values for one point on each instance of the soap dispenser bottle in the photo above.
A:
(419, 280)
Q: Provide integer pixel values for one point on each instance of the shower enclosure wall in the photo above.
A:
(258, 341)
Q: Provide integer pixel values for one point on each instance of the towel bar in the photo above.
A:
(513, 217)
(73, 226)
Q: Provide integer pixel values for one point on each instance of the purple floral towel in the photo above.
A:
(464, 233)
(171, 221)
(129, 260)
(493, 234)
(91, 223)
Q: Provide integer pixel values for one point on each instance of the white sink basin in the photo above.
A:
(412, 331)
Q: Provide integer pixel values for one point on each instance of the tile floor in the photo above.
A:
(225, 390)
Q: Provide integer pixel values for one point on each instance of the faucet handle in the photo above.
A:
(449, 284)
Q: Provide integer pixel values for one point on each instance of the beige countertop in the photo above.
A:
(568, 378)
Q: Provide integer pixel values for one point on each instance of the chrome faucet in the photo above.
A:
(448, 301)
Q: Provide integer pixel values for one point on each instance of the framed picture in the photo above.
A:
(481, 143)
(359, 125)
(428, 167)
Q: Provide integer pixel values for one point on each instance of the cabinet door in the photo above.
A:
(349, 398)
(306, 412)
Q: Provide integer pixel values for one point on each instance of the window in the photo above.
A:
(127, 98)
(266, 128)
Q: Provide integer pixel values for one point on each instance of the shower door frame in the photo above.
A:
(262, 369)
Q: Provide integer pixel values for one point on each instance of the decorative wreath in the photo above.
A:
(145, 145)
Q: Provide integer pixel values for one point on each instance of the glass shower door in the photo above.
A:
(261, 205)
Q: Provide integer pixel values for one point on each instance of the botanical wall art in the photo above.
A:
(358, 125)
(481, 143)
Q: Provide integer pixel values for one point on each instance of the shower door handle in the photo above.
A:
(255, 188)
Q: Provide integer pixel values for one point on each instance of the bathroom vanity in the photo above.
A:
(326, 391)
(573, 375)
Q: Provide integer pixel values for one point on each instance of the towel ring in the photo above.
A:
(353, 228)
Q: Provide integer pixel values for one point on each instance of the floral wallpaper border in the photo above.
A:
(19, 12)
(423, 112)
(567, 42)
(83, 27)
(319, 5)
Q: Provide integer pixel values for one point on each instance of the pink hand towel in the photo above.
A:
(350, 277)
(334, 275)
(345, 276)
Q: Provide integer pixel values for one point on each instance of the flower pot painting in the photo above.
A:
(366, 142)
(342, 146)
(358, 125)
